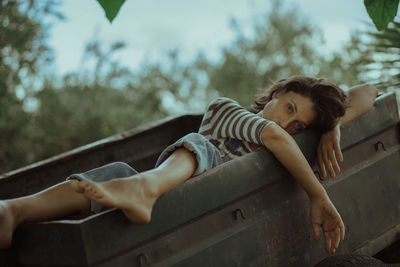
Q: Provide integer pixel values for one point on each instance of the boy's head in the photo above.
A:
(299, 101)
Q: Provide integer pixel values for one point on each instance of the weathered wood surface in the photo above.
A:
(249, 211)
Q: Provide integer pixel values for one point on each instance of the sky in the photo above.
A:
(151, 28)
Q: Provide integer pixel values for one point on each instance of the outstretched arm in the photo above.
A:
(360, 100)
(323, 212)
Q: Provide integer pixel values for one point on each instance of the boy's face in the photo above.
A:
(290, 110)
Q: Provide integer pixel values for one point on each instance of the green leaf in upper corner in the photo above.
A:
(381, 11)
(111, 7)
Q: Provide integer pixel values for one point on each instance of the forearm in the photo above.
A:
(286, 150)
(360, 100)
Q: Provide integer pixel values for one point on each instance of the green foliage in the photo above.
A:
(79, 115)
(23, 52)
(90, 106)
(381, 11)
(111, 8)
(83, 107)
(283, 44)
(384, 63)
(96, 102)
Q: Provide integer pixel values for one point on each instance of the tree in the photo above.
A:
(95, 102)
(284, 43)
(22, 51)
(91, 104)
(384, 63)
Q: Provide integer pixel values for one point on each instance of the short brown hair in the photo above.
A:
(329, 100)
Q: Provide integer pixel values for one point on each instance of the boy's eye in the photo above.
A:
(290, 108)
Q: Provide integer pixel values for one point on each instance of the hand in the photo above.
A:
(324, 214)
(329, 151)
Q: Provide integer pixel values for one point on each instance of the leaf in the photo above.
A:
(111, 7)
(381, 11)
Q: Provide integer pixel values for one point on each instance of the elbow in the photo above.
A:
(365, 95)
(371, 91)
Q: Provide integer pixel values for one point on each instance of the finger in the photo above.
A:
(321, 165)
(330, 244)
(328, 163)
(338, 151)
(327, 242)
(336, 238)
(316, 231)
(334, 162)
(333, 242)
(342, 230)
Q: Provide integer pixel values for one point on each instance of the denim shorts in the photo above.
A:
(207, 156)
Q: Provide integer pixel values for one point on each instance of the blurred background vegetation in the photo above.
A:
(42, 114)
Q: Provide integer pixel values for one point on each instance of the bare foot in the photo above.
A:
(7, 224)
(132, 195)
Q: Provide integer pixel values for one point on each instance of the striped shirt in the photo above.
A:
(231, 128)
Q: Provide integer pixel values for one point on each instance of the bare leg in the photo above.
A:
(66, 198)
(136, 195)
(53, 202)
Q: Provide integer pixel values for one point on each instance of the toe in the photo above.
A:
(76, 185)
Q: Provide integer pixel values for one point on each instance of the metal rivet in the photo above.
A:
(237, 213)
(143, 259)
(380, 143)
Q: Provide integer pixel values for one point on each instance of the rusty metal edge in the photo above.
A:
(384, 239)
(105, 142)
(383, 101)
